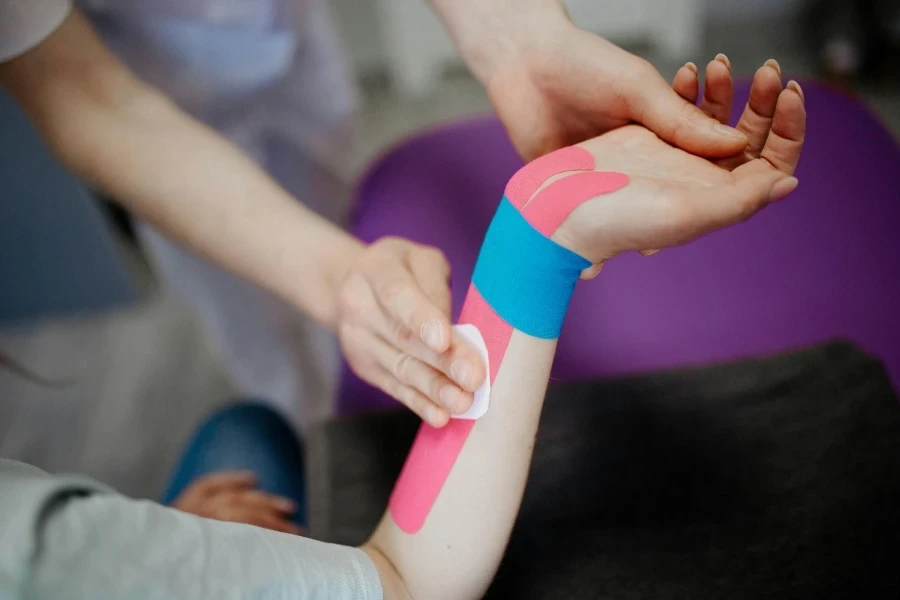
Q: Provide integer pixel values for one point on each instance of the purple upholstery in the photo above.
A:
(824, 263)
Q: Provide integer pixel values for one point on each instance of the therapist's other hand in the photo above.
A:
(232, 496)
(558, 85)
(394, 327)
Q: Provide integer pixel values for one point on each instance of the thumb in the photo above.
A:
(660, 109)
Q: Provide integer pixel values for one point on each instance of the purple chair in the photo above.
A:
(823, 264)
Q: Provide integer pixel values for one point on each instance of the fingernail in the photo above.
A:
(782, 188)
(433, 335)
(650, 252)
(724, 59)
(793, 85)
(449, 394)
(774, 64)
(460, 370)
(730, 132)
(692, 67)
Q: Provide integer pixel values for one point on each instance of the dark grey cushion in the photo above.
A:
(772, 478)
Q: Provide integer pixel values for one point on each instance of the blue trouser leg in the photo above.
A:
(247, 436)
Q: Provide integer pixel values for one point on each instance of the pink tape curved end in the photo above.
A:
(529, 178)
(554, 203)
(434, 451)
(427, 467)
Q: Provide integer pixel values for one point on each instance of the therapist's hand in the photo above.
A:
(555, 85)
(394, 327)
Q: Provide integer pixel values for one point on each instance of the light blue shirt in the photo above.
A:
(70, 538)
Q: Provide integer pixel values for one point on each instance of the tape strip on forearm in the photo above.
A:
(523, 280)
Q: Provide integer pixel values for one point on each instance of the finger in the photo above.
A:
(756, 120)
(428, 411)
(659, 108)
(374, 353)
(418, 375)
(260, 500)
(224, 481)
(686, 83)
(718, 90)
(260, 518)
(461, 362)
(410, 313)
(432, 272)
(785, 141)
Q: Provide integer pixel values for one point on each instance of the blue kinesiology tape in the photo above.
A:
(527, 278)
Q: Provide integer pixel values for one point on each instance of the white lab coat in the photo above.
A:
(271, 76)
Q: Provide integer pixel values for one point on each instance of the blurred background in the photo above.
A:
(137, 365)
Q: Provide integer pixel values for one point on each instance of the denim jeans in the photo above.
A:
(246, 436)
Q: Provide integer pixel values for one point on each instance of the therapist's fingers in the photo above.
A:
(431, 271)
(409, 379)
(411, 312)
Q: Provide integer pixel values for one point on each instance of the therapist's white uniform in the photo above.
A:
(270, 75)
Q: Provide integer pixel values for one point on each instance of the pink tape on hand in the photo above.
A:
(555, 203)
(434, 451)
(529, 178)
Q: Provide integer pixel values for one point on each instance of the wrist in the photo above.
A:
(499, 35)
(340, 259)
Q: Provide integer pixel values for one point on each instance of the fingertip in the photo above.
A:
(691, 67)
(436, 416)
(285, 505)
(795, 87)
(724, 60)
(773, 64)
(783, 188)
(435, 333)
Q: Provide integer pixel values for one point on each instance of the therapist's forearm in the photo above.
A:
(494, 34)
(134, 144)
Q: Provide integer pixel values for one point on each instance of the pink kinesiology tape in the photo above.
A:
(434, 451)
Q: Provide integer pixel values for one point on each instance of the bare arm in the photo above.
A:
(128, 140)
(618, 194)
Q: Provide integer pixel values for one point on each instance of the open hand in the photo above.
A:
(394, 328)
(674, 197)
(232, 496)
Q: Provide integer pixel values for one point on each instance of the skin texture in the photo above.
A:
(672, 198)
(232, 496)
(389, 301)
(554, 85)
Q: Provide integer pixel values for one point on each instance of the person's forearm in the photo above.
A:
(492, 34)
(456, 499)
(135, 145)
(457, 551)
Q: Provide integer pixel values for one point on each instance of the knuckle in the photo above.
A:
(350, 297)
(402, 366)
(402, 335)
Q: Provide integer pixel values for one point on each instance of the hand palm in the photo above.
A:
(674, 196)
